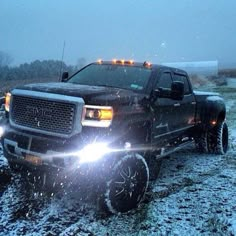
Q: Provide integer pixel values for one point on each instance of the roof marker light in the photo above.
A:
(123, 61)
(147, 64)
(99, 61)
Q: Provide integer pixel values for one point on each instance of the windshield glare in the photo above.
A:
(119, 76)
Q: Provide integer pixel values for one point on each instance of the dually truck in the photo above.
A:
(112, 120)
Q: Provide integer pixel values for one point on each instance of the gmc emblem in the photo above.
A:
(39, 112)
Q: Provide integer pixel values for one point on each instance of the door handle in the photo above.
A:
(193, 103)
(176, 104)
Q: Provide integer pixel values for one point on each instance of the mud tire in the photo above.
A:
(127, 184)
(218, 139)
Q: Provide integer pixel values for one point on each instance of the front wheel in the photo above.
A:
(127, 183)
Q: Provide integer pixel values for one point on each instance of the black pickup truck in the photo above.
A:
(111, 120)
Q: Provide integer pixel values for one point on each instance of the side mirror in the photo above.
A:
(160, 93)
(177, 90)
(65, 76)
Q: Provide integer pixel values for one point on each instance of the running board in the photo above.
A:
(165, 152)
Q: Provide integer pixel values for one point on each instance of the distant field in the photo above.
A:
(229, 94)
(227, 72)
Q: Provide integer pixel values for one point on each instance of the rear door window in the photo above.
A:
(183, 78)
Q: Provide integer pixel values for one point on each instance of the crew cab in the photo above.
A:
(111, 120)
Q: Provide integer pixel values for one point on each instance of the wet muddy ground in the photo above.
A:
(193, 195)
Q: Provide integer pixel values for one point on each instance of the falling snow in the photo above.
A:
(193, 195)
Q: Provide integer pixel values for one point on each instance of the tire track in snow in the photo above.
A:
(186, 182)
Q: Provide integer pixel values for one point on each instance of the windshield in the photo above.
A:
(119, 76)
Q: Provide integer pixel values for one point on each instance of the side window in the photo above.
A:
(183, 79)
(164, 81)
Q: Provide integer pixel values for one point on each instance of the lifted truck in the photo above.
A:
(111, 119)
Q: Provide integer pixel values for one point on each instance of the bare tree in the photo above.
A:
(5, 59)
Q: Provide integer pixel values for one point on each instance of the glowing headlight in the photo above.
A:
(7, 102)
(97, 116)
(93, 152)
(1, 131)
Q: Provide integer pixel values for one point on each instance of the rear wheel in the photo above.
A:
(127, 183)
(218, 139)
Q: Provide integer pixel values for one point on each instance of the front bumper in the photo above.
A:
(43, 152)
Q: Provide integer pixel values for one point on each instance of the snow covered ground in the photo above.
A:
(194, 195)
(231, 82)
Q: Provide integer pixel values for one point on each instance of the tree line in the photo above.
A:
(50, 69)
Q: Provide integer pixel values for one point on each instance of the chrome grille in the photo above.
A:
(42, 114)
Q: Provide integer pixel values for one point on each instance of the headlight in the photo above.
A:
(1, 131)
(97, 116)
(7, 101)
(93, 152)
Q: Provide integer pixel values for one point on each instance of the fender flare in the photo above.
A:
(213, 111)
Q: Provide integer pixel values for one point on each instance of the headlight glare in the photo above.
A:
(93, 152)
(1, 131)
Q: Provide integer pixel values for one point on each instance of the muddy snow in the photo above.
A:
(193, 195)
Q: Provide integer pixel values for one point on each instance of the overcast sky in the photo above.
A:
(155, 30)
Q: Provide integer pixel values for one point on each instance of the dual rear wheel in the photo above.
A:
(214, 140)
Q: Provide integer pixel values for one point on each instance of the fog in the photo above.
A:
(159, 31)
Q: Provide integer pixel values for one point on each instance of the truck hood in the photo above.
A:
(95, 95)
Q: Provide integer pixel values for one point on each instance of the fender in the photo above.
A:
(213, 111)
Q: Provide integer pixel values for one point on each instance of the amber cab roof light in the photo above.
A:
(123, 62)
(99, 61)
(147, 64)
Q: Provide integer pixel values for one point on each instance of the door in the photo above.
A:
(163, 112)
(186, 107)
